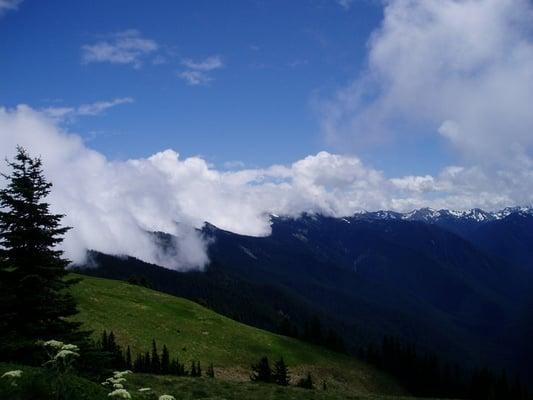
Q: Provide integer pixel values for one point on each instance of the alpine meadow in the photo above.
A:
(266, 200)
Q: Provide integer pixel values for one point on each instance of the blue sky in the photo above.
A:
(284, 107)
(277, 57)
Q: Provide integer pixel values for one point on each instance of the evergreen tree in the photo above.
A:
(281, 373)
(128, 364)
(193, 369)
(176, 368)
(147, 363)
(210, 371)
(165, 361)
(34, 304)
(138, 363)
(113, 348)
(155, 365)
(104, 342)
(198, 369)
(261, 371)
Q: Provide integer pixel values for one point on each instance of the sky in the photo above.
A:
(162, 115)
(231, 81)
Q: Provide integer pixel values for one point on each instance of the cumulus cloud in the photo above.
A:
(8, 5)
(113, 206)
(198, 72)
(126, 47)
(462, 70)
(91, 109)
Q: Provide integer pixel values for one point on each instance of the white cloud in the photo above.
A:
(126, 47)
(112, 205)
(209, 64)
(459, 69)
(462, 71)
(195, 78)
(92, 109)
(8, 5)
(197, 72)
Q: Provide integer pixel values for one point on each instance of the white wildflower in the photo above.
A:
(166, 397)
(66, 353)
(71, 347)
(120, 374)
(120, 394)
(55, 344)
(118, 386)
(116, 380)
(144, 389)
(17, 373)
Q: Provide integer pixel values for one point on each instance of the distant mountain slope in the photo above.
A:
(136, 315)
(387, 276)
(256, 303)
(507, 233)
(453, 283)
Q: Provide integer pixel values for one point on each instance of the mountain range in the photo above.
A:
(454, 283)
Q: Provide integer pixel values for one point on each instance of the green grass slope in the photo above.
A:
(136, 315)
(38, 384)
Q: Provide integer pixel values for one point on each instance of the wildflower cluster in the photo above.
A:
(117, 382)
(61, 356)
(13, 376)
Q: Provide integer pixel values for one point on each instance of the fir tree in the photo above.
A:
(281, 373)
(128, 358)
(104, 341)
(198, 369)
(147, 363)
(155, 365)
(210, 371)
(138, 363)
(113, 348)
(34, 304)
(165, 361)
(193, 369)
(261, 371)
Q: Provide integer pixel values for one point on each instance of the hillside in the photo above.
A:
(137, 315)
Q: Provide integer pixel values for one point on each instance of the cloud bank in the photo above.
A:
(462, 70)
(112, 205)
(459, 70)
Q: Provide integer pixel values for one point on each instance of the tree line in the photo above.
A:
(279, 375)
(425, 374)
(149, 361)
(313, 332)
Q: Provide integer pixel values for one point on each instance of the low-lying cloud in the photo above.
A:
(113, 205)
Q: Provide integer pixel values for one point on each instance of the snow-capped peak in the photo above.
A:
(429, 214)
